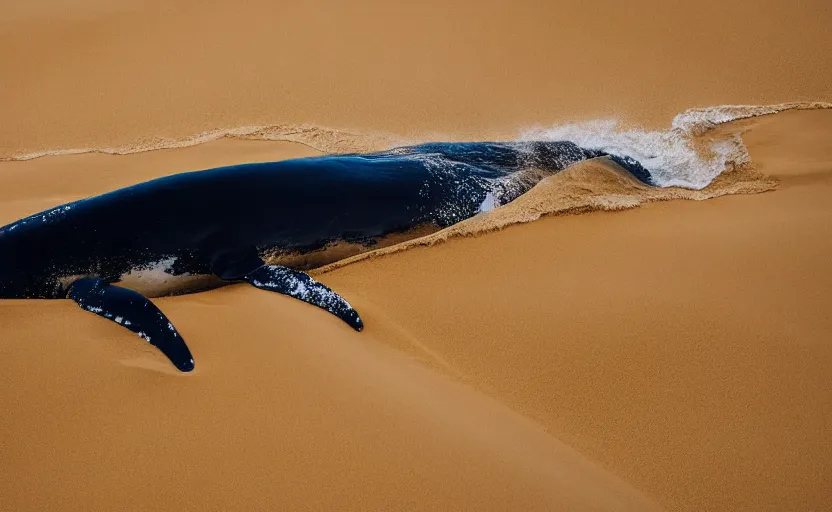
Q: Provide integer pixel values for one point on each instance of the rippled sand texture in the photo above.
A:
(672, 356)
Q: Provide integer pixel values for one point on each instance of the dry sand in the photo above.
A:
(672, 356)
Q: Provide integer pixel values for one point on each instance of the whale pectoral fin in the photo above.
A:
(299, 285)
(134, 311)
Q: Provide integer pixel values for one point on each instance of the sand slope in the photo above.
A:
(287, 410)
(685, 345)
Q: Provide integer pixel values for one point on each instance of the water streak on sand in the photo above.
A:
(327, 140)
(693, 122)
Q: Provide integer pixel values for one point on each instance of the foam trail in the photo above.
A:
(697, 121)
(675, 157)
(327, 140)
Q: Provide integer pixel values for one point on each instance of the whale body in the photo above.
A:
(261, 223)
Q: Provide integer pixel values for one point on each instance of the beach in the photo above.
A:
(596, 345)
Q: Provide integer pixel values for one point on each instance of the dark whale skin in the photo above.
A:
(201, 217)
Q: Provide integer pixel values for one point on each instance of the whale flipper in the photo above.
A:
(134, 311)
(299, 285)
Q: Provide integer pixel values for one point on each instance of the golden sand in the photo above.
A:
(674, 355)
(683, 345)
(98, 73)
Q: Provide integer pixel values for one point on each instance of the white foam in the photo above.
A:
(670, 155)
(327, 140)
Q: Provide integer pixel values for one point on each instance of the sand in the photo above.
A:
(96, 72)
(673, 356)
(705, 381)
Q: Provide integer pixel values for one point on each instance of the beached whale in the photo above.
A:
(260, 223)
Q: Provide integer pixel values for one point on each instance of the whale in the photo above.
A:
(264, 224)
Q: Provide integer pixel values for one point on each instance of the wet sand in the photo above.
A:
(98, 73)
